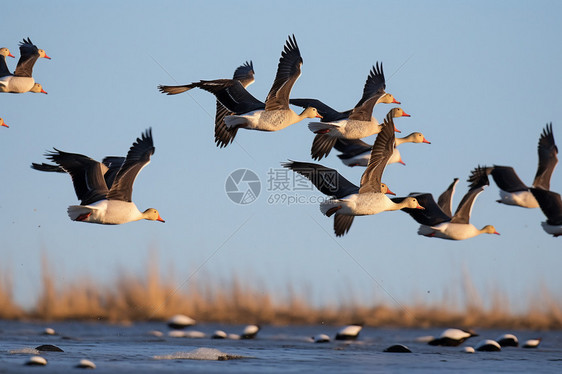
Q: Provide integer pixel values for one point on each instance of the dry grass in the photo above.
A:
(154, 297)
(9, 309)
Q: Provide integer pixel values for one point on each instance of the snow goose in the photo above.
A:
(100, 203)
(22, 80)
(511, 189)
(551, 205)
(452, 337)
(252, 114)
(349, 200)
(223, 135)
(355, 152)
(356, 123)
(436, 220)
(4, 52)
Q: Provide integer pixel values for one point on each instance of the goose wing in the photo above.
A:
(328, 181)
(382, 150)
(373, 90)
(29, 53)
(445, 200)
(86, 174)
(137, 158)
(547, 158)
(288, 71)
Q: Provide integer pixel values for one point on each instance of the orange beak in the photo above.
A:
(47, 57)
(396, 130)
(497, 233)
(404, 114)
(43, 91)
(389, 192)
(11, 55)
(425, 141)
(402, 162)
(420, 207)
(160, 219)
(4, 125)
(319, 116)
(394, 101)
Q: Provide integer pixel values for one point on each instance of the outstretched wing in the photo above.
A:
(29, 53)
(245, 74)
(288, 71)
(137, 158)
(382, 150)
(328, 181)
(551, 205)
(372, 92)
(547, 158)
(445, 200)
(86, 174)
(328, 114)
(342, 224)
(231, 94)
(431, 215)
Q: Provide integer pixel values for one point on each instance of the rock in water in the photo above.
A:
(48, 348)
(398, 348)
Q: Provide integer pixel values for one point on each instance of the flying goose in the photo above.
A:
(349, 201)
(252, 114)
(512, 190)
(356, 123)
(223, 135)
(355, 152)
(103, 202)
(436, 220)
(22, 79)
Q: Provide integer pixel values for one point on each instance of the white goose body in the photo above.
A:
(268, 120)
(347, 128)
(106, 212)
(453, 231)
(362, 204)
(523, 199)
(105, 188)
(14, 84)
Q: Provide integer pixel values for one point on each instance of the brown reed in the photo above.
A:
(155, 297)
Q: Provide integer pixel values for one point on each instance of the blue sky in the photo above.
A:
(480, 79)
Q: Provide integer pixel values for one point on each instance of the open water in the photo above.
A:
(287, 349)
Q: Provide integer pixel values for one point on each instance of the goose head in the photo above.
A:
(416, 137)
(388, 99)
(2, 124)
(398, 112)
(43, 54)
(385, 190)
(310, 112)
(489, 229)
(152, 214)
(6, 52)
(37, 88)
(411, 202)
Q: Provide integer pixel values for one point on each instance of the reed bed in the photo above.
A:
(153, 296)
